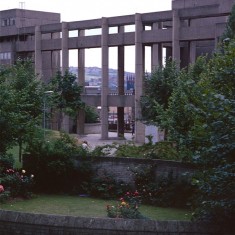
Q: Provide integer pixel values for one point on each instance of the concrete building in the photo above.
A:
(190, 29)
(14, 31)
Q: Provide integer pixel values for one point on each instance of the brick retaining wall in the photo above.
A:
(120, 168)
(12, 223)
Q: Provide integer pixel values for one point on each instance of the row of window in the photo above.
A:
(8, 22)
(5, 55)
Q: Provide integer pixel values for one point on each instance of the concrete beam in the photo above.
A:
(113, 100)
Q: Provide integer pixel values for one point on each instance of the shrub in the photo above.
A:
(6, 161)
(215, 198)
(160, 150)
(106, 187)
(127, 207)
(103, 150)
(91, 115)
(129, 150)
(53, 162)
(164, 190)
(14, 183)
(17, 183)
(4, 196)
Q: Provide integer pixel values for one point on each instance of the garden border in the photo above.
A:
(13, 222)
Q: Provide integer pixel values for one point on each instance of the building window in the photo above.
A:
(8, 22)
(5, 55)
(12, 21)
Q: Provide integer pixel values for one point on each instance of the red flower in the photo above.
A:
(136, 193)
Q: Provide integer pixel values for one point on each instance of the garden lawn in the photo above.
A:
(87, 207)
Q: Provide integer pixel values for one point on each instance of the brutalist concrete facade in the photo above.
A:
(13, 30)
(191, 28)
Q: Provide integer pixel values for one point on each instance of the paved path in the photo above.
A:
(95, 139)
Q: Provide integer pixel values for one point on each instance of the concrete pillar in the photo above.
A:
(192, 53)
(65, 66)
(55, 56)
(55, 63)
(38, 52)
(139, 74)
(121, 89)
(81, 82)
(65, 50)
(105, 79)
(156, 50)
(175, 36)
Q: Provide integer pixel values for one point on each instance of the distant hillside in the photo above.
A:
(93, 75)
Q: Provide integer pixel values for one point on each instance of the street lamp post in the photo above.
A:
(44, 111)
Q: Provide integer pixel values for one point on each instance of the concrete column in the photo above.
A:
(121, 90)
(55, 63)
(156, 49)
(65, 50)
(139, 75)
(105, 79)
(55, 56)
(65, 66)
(175, 36)
(81, 82)
(192, 53)
(38, 52)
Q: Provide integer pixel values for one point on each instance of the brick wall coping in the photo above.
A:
(107, 224)
(144, 161)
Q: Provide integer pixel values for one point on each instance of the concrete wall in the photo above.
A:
(121, 169)
(40, 224)
(92, 128)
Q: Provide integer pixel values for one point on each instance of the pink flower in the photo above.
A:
(10, 171)
(1, 188)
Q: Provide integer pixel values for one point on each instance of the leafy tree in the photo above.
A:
(21, 104)
(217, 157)
(6, 99)
(181, 116)
(158, 88)
(91, 115)
(200, 118)
(67, 94)
(230, 27)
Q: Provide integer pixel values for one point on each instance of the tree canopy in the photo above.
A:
(20, 104)
(200, 118)
(66, 96)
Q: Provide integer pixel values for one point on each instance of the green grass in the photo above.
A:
(86, 207)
